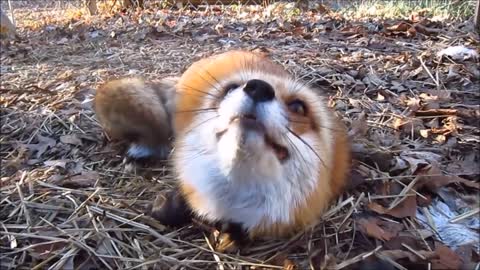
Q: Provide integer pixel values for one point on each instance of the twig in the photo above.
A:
(465, 215)
(160, 237)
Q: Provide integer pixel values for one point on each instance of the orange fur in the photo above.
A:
(192, 88)
(206, 72)
(150, 112)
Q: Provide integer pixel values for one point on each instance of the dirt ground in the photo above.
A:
(67, 201)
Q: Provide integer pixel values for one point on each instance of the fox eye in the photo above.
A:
(229, 87)
(298, 107)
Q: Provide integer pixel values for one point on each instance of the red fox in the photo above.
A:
(254, 146)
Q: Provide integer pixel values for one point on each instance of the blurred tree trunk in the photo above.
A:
(132, 3)
(7, 29)
(92, 7)
(477, 16)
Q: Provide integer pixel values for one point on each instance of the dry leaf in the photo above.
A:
(43, 144)
(425, 133)
(57, 163)
(359, 126)
(328, 262)
(84, 180)
(414, 104)
(355, 179)
(407, 208)
(289, 265)
(380, 97)
(459, 53)
(432, 178)
(430, 102)
(71, 139)
(412, 241)
(370, 226)
(441, 139)
(407, 125)
(447, 259)
(426, 30)
(400, 27)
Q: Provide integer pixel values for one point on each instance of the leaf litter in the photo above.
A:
(406, 88)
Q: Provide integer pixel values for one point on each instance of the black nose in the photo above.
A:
(259, 91)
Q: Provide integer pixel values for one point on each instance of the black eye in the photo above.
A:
(298, 107)
(229, 87)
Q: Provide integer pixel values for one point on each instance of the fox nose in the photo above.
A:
(259, 91)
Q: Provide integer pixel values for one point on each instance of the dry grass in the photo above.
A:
(388, 9)
(67, 199)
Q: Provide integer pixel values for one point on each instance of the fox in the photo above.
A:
(256, 151)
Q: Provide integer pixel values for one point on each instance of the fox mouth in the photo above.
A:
(249, 122)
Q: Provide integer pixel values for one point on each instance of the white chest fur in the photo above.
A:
(242, 194)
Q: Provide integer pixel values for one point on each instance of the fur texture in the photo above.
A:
(138, 112)
(254, 146)
(229, 172)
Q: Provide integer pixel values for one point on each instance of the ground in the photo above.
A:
(412, 110)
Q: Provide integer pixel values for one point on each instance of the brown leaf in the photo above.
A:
(407, 208)
(289, 265)
(353, 30)
(430, 102)
(84, 180)
(388, 188)
(436, 112)
(432, 178)
(447, 259)
(355, 179)
(442, 95)
(359, 126)
(371, 227)
(43, 144)
(400, 27)
(397, 242)
(424, 201)
(411, 32)
(412, 160)
(408, 124)
(426, 30)
(414, 104)
(71, 139)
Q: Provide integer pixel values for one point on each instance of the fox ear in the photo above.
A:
(262, 52)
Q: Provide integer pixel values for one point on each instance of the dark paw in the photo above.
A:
(230, 237)
(171, 210)
(144, 153)
(225, 244)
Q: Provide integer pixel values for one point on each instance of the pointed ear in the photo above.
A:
(262, 52)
